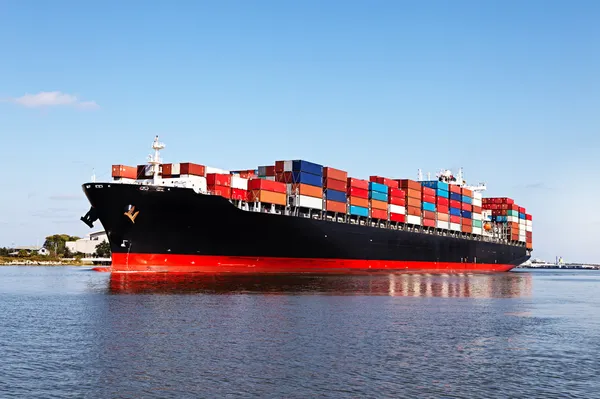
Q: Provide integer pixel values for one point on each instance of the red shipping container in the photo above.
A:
(443, 217)
(476, 209)
(455, 204)
(467, 229)
(338, 185)
(333, 206)
(270, 170)
(357, 192)
(528, 235)
(266, 185)
(512, 207)
(223, 191)
(384, 180)
(428, 191)
(218, 179)
(124, 171)
(429, 222)
(428, 198)
(442, 201)
(379, 214)
(396, 192)
(400, 201)
(358, 183)
(397, 217)
(466, 192)
(284, 177)
(455, 189)
(443, 209)
(428, 215)
(413, 210)
(336, 174)
(189, 168)
(521, 209)
(239, 194)
(467, 207)
(467, 222)
(407, 183)
(528, 217)
(279, 166)
(515, 237)
(454, 219)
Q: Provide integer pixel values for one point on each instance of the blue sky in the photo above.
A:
(508, 90)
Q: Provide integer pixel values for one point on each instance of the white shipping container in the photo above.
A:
(512, 219)
(442, 225)
(239, 182)
(175, 169)
(476, 202)
(397, 209)
(522, 222)
(287, 166)
(528, 228)
(477, 216)
(477, 230)
(477, 195)
(188, 181)
(210, 169)
(455, 226)
(307, 202)
(412, 219)
(529, 223)
(522, 238)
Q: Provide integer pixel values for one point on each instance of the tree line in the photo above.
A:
(56, 245)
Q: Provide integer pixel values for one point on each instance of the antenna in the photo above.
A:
(93, 175)
(419, 175)
(156, 161)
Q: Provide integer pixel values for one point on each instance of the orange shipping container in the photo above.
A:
(308, 190)
(336, 174)
(411, 184)
(466, 192)
(192, 169)
(359, 202)
(467, 222)
(124, 171)
(268, 197)
(467, 229)
(333, 206)
(476, 209)
(428, 215)
(455, 189)
(411, 193)
(443, 217)
(416, 202)
(378, 204)
(413, 210)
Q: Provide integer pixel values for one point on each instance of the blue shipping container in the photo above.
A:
(428, 206)
(439, 185)
(359, 211)
(333, 195)
(455, 197)
(378, 196)
(455, 211)
(308, 167)
(441, 193)
(501, 219)
(467, 215)
(307, 178)
(467, 200)
(378, 187)
(522, 216)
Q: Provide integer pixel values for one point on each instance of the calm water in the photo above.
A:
(67, 333)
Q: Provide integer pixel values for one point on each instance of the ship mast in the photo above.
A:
(155, 161)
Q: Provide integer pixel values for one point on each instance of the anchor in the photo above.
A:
(90, 217)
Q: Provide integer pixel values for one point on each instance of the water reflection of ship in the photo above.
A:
(502, 285)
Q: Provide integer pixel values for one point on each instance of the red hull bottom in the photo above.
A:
(166, 263)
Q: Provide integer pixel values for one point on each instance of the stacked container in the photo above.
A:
(477, 214)
(528, 231)
(267, 191)
(413, 191)
(239, 188)
(358, 197)
(466, 210)
(396, 205)
(266, 172)
(428, 207)
(307, 184)
(378, 200)
(335, 184)
(124, 172)
(455, 210)
(219, 184)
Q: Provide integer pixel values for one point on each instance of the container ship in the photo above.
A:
(296, 216)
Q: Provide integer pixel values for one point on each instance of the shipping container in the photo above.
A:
(358, 183)
(189, 168)
(358, 211)
(266, 185)
(476, 230)
(396, 192)
(268, 197)
(466, 192)
(124, 171)
(333, 206)
(476, 209)
(218, 179)
(528, 217)
(378, 187)
(522, 216)
(411, 219)
(384, 180)
(396, 209)
(305, 189)
(428, 191)
(223, 191)
(455, 212)
(410, 193)
(440, 224)
(477, 195)
(466, 200)
(466, 229)
(466, 222)
(429, 222)
(435, 184)
(442, 201)
(304, 201)
(442, 193)
(358, 192)
(476, 202)
(379, 214)
(375, 204)
(454, 219)
(428, 198)
(239, 194)
(455, 197)
(407, 183)
(333, 195)
(299, 165)
(413, 202)
(477, 223)
(414, 211)
(455, 226)
(336, 174)
(428, 206)
(466, 207)
(443, 217)
(512, 213)
(466, 215)
(239, 182)
(283, 166)
(360, 202)
(284, 177)
(477, 216)
(338, 185)
(454, 189)
(400, 201)
(379, 196)
(397, 217)
(307, 178)
(428, 215)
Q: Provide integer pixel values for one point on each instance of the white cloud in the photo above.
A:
(53, 98)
